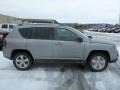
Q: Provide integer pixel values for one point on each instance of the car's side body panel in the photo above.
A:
(89, 47)
(55, 49)
(69, 49)
(40, 49)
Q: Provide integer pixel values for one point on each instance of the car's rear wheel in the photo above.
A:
(98, 62)
(22, 61)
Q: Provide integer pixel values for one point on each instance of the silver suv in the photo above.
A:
(56, 44)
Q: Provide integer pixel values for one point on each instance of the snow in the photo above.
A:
(40, 77)
(110, 78)
(61, 77)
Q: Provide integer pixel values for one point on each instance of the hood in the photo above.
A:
(99, 40)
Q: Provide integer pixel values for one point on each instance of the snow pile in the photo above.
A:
(40, 77)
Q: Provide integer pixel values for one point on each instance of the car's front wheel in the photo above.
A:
(98, 62)
(22, 61)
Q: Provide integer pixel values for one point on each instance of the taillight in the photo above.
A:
(4, 43)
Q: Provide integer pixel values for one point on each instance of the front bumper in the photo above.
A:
(114, 60)
(117, 57)
(114, 54)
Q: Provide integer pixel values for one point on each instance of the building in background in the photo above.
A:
(15, 20)
(9, 19)
(27, 21)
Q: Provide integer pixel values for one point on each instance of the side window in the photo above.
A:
(65, 35)
(4, 26)
(26, 32)
(43, 33)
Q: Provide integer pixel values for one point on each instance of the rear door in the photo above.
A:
(40, 42)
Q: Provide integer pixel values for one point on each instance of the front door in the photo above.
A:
(67, 45)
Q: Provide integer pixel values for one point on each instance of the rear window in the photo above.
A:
(4, 26)
(37, 33)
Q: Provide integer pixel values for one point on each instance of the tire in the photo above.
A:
(97, 62)
(22, 61)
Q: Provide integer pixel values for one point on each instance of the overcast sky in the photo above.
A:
(79, 11)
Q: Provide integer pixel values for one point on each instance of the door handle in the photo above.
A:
(58, 43)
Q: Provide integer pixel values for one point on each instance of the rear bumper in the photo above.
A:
(6, 53)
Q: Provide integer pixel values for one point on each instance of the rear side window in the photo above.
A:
(26, 32)
(37, 33)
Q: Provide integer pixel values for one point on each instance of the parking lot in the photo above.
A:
(61, 77)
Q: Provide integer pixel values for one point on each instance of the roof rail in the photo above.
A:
(38, 24)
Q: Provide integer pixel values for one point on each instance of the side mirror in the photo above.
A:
(80, 39)
(90, 37)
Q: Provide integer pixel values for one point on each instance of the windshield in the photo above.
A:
(78, 31)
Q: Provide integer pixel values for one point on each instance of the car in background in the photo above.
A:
(103, 30)
(116, 31)
(93, 29)
(6, 27)
(4, 30)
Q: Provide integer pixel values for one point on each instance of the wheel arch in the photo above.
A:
(106, 53)
(14, 52)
